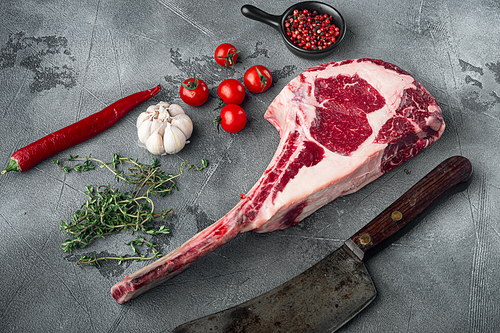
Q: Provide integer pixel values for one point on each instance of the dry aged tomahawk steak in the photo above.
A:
(342, 125)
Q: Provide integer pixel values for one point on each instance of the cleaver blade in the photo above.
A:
(333, 291)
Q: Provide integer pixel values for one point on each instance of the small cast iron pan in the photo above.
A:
(278, 22)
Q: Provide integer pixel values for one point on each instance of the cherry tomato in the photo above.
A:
(258, 79)
(226, 55)
(231, 91)
(232, 118)
(194, 91)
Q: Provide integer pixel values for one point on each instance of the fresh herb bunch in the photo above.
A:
(109, 211)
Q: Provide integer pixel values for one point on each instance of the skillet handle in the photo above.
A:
(257, 14)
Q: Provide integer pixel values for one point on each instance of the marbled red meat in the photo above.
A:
(342, 125)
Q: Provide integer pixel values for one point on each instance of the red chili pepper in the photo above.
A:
(29, 156)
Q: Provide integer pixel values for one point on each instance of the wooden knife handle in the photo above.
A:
(445, 178)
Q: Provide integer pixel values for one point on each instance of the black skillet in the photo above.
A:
(278, 22)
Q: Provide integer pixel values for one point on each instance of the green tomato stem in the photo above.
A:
(263, 79)
(192, 85)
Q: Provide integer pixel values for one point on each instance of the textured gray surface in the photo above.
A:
(63, 60)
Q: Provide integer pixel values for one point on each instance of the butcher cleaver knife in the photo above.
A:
(333, 291)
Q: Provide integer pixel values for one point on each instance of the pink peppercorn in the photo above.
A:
(310, 30)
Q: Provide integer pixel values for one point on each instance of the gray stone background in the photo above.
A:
(61, 61)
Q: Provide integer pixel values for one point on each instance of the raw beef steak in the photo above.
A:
(342, 125)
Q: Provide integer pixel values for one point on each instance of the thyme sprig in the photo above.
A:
(141, 175)
(94, 260)
(109, 211)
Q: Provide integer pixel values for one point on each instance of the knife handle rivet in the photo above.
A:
(365, 239)
(396, 215)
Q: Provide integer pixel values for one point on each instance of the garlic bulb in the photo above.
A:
(164, 128)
